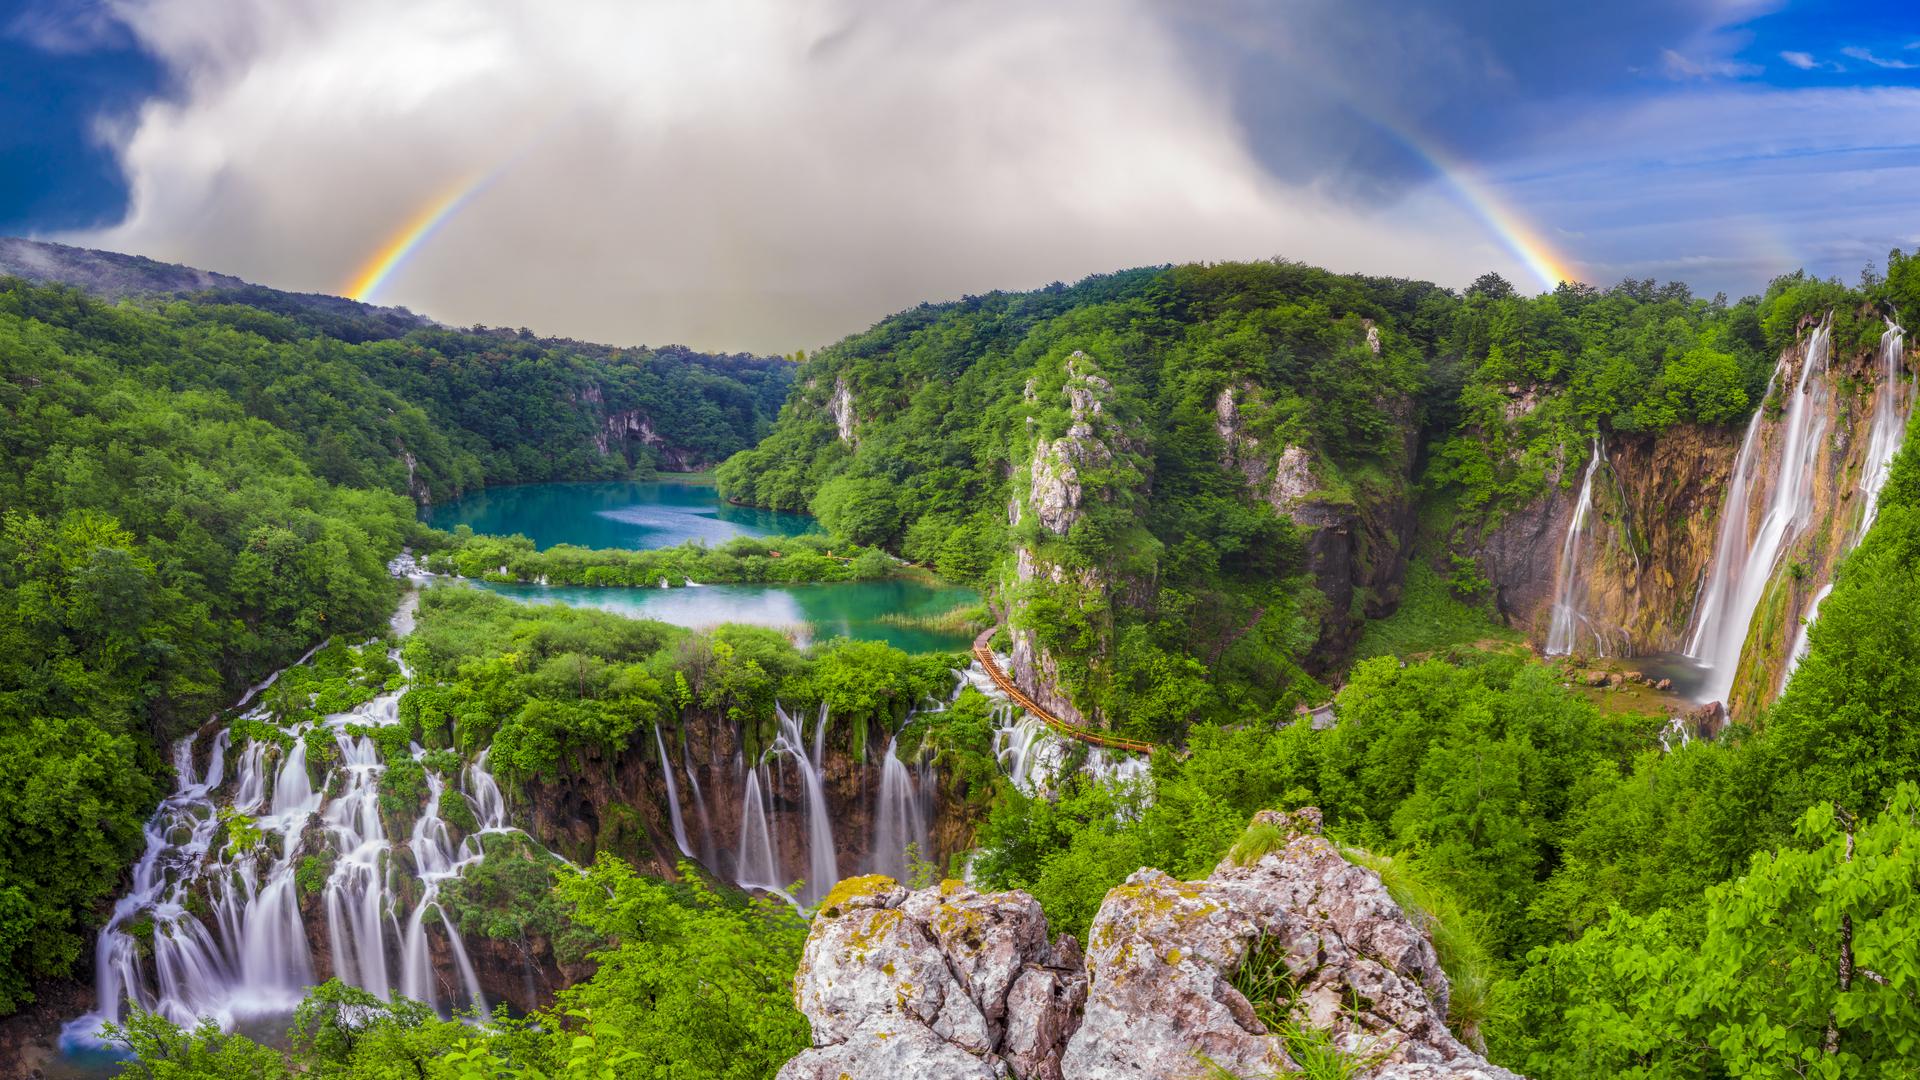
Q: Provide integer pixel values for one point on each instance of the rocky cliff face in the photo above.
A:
(1057, 490)
(955, 984)
(1357, 533)
(1655, 525)
(620, 805)
(1656, 499)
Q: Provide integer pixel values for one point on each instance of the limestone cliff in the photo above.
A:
(1357, 528)
(1656, 499)
(1645, 555)
(1061, 476)
(955, 984)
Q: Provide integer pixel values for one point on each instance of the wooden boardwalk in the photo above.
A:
(983, 652)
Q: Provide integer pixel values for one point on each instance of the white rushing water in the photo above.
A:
(1564, 632)
(1800, 643)
(1892, 406)
(673, 795)
(1745, 557)
(219, 934)
(901, 815)
(1033, 756)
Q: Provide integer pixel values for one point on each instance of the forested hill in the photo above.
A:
(1192, 487)
(357, 381)
(196, 490)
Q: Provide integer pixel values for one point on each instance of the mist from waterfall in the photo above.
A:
(1744, 558)
(1564, 632)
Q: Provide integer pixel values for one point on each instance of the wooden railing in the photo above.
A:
(984, 653)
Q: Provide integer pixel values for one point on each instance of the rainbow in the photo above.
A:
(392, 254)
(1512, 228)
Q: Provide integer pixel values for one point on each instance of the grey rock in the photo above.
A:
(950, 982)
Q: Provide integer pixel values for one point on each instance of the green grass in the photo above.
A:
(1430, 619)
(964, 619)
(1457, 935)
(1254, 844)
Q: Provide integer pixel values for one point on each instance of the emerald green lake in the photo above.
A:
(617, 514)
(644, 516)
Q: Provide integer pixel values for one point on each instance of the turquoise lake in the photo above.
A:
(643, 516)
(617, 514)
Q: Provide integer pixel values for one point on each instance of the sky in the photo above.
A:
(769, 175)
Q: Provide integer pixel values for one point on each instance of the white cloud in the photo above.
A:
(1680, 67)
(758, 174)
(1868, 56)
(1803, 61)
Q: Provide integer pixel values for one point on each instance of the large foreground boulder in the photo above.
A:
(954, 983)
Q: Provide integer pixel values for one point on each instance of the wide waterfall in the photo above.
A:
(1564, 633)
(1891, 409)
(219, 933)
(1746, 557)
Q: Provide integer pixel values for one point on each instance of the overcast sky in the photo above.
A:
(774, 174)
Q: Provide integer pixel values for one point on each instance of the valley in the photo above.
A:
(474, 725)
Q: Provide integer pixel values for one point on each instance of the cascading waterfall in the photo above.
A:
(1743, 562)
(673, 795)
(900, 817)
(1891, 409)
(823, 871)
(1800, 643)
(228, 939)
(759, 864)
(1563, 634)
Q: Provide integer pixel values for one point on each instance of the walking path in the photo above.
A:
(983, 652)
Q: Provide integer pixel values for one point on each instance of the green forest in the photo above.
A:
(196, 492)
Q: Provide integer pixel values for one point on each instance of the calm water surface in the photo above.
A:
(644, 516)
(810, 612)
(616, 514)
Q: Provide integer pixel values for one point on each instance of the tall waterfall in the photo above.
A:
(758, 865)
(1891, 409)
(1800, 644)
(1744, 558)
(900, 817)
(1564, 633)
(673, 795)
(219, 934)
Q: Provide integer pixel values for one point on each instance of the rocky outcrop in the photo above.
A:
(950, 982)
(1357, 535)
(1057, 491)
(844, 421)
(633, 426)
(941, 983)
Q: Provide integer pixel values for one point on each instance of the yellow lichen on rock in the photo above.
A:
(854, 888)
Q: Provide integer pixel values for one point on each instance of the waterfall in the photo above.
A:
(434, 862)
(1742, 563)
(1563, 635)
(1891, 408)
(1800, 644)
(900, 818)
(673, 794)
(246, 952)
(759, 864)
(823, 871)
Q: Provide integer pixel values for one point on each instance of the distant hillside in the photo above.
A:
(383, 397)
